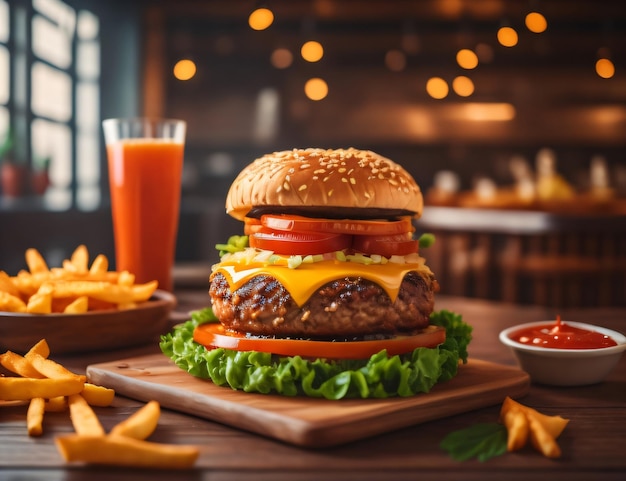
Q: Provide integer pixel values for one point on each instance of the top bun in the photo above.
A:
(325, 181)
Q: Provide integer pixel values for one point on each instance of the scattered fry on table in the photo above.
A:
(524, 423)
(19, 365)
(84, 418)
(97, 395)
(125, 451)
(52, 369)
(25, 388)
(141, 424)
(34, 416)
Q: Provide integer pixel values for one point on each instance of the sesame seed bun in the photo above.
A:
(350, 182)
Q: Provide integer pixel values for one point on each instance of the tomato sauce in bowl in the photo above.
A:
(559, 335)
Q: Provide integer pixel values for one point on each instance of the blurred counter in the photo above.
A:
(530, 257)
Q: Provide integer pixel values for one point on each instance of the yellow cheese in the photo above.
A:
(303, 281)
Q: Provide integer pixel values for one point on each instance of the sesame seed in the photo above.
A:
(302, 187)
(341, 170)
(352, 180)
(330, 192)
(305, 166)
(344, 180)
(286, 186)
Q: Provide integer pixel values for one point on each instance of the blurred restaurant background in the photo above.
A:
(510, 114)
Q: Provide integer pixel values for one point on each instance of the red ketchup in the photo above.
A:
(562, 336)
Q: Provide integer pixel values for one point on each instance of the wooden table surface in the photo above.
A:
(593, 444)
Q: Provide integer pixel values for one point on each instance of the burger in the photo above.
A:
(325, 294)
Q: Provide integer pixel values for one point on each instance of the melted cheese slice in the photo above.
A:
(304, 281)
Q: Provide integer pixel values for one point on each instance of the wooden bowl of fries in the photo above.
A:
(89, 331)
(566, 367)
(78, 307)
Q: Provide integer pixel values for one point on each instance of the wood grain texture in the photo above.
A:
(304, 421)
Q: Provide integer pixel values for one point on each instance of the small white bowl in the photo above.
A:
(565, 367)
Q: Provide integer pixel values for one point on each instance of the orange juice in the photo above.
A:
(145, 177)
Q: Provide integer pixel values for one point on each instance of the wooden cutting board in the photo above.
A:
(304, 421)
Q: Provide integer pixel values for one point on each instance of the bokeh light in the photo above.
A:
(395, 60)
(605, 68)
(312, 51)
(507, 37)
(184, 69)
(261, 18)
(467, 59)
(316, 89)
(437, 88)
(536, 23)
(281, 58)
(463, 86)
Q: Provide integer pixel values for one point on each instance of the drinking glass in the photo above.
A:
(145, 160)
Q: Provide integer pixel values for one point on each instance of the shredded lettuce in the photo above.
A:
(381, 376)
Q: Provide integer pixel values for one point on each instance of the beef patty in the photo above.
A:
(350, 307)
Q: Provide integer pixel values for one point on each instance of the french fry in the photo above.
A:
(39, 303)
(34, 416)
(553, 424)
(78, 305)
(11, 303)
(35, 261)
(541, 439)
(84, 419)
(97, 395)
(141, 424)
(125, 451)
(52, 369)
(40, 348)
(56, 404)
(7, 285)
(80, 259)
(26, 388)
(30, 290)
(99, 266)
(19, 365)
(516, 424)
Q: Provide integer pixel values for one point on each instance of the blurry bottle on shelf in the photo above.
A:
(524, 180)
(444, 190)
(551, 186)
(599, 185)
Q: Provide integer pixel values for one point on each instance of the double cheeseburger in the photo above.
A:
(326, 293)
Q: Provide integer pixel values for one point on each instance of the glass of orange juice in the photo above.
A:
(145, 159)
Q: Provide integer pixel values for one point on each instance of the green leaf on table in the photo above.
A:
(482, 441)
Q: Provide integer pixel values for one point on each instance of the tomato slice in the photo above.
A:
(337, 226)
(400, 244)
(213, 335)
(299, 243)
(251, 225)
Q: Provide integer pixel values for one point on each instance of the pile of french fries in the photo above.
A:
(526, 424)
(73, 288)
(48, 386)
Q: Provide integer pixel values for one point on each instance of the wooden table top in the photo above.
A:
(593, 444)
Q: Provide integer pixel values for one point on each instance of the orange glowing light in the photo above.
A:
(507, 36)
(536, 23)
(605, 68)
(184, 69)
(261, 18)
(463, 86)
(316, 89)
(312, 51)
(437, 88)
(467, 59)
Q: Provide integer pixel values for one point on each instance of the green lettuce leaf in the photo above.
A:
(380, 376)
